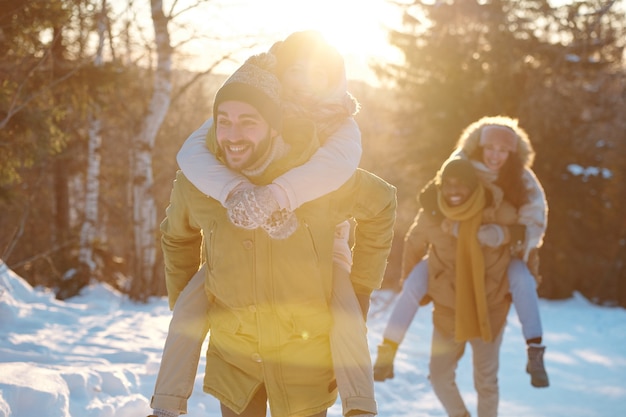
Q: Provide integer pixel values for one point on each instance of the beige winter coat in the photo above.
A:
(427, 237)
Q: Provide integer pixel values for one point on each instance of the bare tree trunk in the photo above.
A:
(92, 180)
(92, 193)
(144, 207)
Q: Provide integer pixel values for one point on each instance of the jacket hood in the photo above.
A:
(469, 140)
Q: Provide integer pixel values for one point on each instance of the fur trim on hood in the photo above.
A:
(470, 138)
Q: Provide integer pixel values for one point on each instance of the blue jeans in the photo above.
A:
(522, 285)
(414, 288)
(523, 289)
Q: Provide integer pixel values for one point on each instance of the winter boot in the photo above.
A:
(538, 375)
(383, 368)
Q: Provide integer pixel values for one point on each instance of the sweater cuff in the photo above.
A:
(280, 196)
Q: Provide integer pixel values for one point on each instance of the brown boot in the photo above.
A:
(535, 367)
(383, 368)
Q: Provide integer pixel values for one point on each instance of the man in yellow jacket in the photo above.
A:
(269, 298)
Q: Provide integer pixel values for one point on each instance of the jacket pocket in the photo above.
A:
(309, 326)
(208, 242)
(312, 241)
(223, 320)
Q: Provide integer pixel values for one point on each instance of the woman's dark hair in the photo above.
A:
(509, 178)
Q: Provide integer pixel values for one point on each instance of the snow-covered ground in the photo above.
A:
(97, 355)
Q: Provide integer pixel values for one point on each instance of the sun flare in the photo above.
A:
(357, 28)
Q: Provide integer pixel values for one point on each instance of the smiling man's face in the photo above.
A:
(242, 134)
(455, 191)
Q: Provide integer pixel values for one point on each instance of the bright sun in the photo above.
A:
(357, 28)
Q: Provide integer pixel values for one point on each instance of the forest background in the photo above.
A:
(94, 107)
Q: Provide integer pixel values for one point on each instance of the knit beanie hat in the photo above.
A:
(256, 84)
(461, 169)
(498, 135)
(310, 45)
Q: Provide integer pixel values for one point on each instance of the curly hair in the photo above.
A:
(510, 177)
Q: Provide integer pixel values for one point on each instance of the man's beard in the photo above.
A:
(253, 155)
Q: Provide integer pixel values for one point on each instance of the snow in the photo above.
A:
(587, 172)
(97, 355)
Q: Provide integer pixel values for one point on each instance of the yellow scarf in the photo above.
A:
(471, 311)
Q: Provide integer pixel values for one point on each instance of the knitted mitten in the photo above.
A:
(281, 224)
(492, 235)
(251, 208)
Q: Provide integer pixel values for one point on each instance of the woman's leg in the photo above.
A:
(414, 289)
(523, 289)
(181, 354)
(348, 343)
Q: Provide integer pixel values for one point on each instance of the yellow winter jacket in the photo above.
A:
(269, 313)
